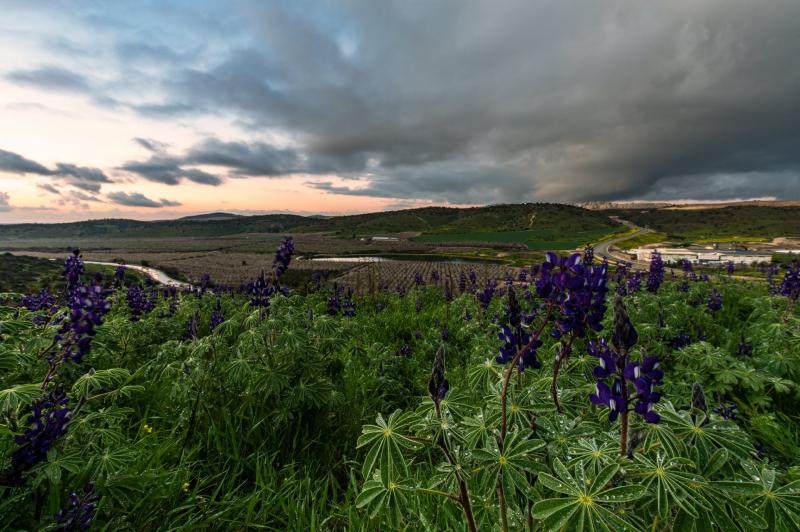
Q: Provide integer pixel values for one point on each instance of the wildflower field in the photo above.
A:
(569, 395)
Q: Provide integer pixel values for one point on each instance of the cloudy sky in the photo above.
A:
(160, 109)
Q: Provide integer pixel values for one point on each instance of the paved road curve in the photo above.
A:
(158, 275)
(603, 249)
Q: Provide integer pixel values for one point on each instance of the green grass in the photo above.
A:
(535, 239)
(256, 424)
(642, 240)
(730, 224)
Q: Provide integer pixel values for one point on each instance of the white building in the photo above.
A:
(697, 255)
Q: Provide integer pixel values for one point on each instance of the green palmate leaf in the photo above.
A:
(387, 442)
(546, 508)
(672, 480)
(94, 381)
(622, 494)
(11, 399)
(586, 501)
(704, 436)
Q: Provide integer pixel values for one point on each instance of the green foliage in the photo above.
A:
(717, 223)
(289, 418)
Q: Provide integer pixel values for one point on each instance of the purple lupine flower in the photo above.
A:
(485, 296)
(418, 280)
(73, 269)
(205, 282)
(138, 302)
(348, 305)
(435, 276)
(448, 292)
(44, 300)
(645, 375)
(727, 410)
(744, 350)
(772, 271)
(655, 275)
(80, 512)
(445, 334)
(588, 255)
(217, 316)
(283, 257)
(714, 300)
(473, 278)
(260, 292)
(48, 422)
(790, 286)
(418, 335)
(515, 337)
(462, 282)
(522, 276)
(88, 305)
(578, 290)
(191, 327)
(119, 274)
(635, 282)
(334, 301)
(680, 341)
(404, 351)
(730, 267)
(173, 305)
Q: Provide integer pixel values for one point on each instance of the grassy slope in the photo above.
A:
(463, 224)
(23, 274)
(724, 223)
(560, 219)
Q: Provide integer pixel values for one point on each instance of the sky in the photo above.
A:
(157, 109)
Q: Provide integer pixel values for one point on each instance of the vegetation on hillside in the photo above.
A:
(745, 221)
(270, 409)
(552, 217)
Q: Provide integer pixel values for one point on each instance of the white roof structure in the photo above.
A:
(702, 255)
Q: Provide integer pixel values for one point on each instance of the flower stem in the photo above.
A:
(563, 356)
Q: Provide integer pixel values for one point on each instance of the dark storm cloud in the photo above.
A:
(51, 78)
(467, 100)
(136, 199)
(569, 101)
(49, 188)
(151, 144)
(17, 164)
(169, 171)
(83, 177)
(257, 159)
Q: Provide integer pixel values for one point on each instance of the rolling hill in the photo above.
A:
(555, 218)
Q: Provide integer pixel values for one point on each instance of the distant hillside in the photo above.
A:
(448, 220)
(212, 216)
(121, 228)
(429, 220)
(717, 222)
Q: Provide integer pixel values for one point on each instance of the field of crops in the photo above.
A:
(568, 397)
(537, 239)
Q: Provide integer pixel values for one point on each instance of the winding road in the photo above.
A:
(603, 249)
(156, 274)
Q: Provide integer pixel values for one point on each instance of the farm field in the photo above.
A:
(333, 409)
(538, 239)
